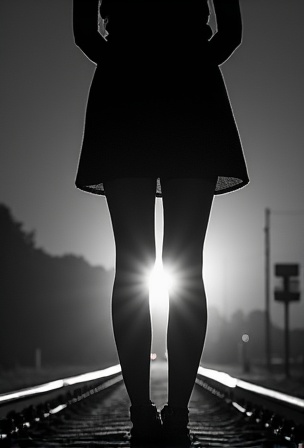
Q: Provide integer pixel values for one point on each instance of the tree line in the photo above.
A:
(59, 304)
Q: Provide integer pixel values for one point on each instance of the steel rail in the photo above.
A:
(25, 407)
(282, 412)
(58, 384)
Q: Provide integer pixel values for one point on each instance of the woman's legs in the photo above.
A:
(187, 204)
(131, 204)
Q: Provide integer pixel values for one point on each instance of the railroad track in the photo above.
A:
(93, 411)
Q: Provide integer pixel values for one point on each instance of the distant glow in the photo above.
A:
(160, 282)
(245, 338)
(229, 381)
(53, 385)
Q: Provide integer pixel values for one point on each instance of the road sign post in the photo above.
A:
(289, 293)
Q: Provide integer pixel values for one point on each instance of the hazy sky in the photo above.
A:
(44, 82)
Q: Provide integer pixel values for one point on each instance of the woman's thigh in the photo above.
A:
(187, 205)
(131, 203)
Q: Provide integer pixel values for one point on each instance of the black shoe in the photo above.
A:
(175, 426)
(147, 426)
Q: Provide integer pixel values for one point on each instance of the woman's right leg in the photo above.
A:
(131, 204)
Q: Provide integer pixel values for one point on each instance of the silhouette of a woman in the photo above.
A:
(159, 123)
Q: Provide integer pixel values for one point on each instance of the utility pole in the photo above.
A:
(267, 288)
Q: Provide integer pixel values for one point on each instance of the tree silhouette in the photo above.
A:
(58, 304)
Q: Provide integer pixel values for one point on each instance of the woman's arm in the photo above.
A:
(229, 30)
(85, 29)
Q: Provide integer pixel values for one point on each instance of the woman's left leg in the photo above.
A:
(187, 204)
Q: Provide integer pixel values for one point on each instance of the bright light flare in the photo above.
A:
(160, 283)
